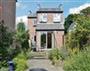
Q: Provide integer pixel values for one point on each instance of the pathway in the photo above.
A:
(42, 64)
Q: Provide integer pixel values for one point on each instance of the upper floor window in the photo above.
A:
(57, 18)
(43, 18)
(34, 22)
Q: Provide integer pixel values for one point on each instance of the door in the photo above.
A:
(43, 41)
(49, 40)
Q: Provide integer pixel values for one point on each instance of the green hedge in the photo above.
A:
(78, 62)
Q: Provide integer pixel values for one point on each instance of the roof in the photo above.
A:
(56, 10)
(72, 27)
(51, 27)
(32, 15)
(49, 9)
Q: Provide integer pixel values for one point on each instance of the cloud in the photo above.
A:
(20, 5)
(76, 10)
(23, 19)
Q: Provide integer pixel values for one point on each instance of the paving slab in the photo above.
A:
(42, 64)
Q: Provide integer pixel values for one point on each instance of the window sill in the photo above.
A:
(56, 22)
(42, 22)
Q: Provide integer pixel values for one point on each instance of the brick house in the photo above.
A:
(8, 12)
(46, 28)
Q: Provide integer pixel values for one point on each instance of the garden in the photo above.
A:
(75, 54)
(14, 48)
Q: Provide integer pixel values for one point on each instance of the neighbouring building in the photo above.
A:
(8, 12)
(72, 27)
(46, 28)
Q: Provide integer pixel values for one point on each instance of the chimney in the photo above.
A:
(60, 7)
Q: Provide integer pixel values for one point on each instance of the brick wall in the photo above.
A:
(31, 28)
(59, 38)
(8, 13)
(50, 18)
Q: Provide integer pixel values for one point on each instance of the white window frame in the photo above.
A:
(34, 21)
(43, 17)
(57, 17)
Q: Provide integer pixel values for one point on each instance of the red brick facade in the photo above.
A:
(37, 30)
(7, 13)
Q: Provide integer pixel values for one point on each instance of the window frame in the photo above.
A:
(55, 19)
(42, 18)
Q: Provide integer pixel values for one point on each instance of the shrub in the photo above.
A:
(6, 39)
(64, 53)
(28, 53)
(78, 62)
(20, 62)
(54, 55)
(4, 69)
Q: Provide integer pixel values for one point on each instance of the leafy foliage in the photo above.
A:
(76, 42)
(8, 51)
(86, 11)
(6, 40)
(22, 46)
(4, 69)
(80, 36)
(22, 37)
(56, 55)
(69, 20)
(78, 62)
(20, 27)
(20, 62)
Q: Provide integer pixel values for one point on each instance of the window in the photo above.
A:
(43, 18)
(57, 18)
(34, 38)
(43, 40)
(34, 22)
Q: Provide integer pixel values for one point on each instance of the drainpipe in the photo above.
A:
(55, 42)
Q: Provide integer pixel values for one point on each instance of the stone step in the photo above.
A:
(39, 55)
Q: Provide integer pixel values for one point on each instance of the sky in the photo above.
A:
(69, 6)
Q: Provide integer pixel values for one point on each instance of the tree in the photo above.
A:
(78, 43)
(22, 36)
(69, 20)
(86, 11)
(21, 27)
(80, 36)
(5, 43)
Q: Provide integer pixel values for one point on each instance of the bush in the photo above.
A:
(28, 53)
(6, 39)
(20, 62)
(54, 55)
(63, 53)
(4, 69)
(78, 62)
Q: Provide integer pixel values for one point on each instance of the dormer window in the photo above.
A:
(56, 18)
(43, 18)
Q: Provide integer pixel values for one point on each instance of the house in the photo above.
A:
(72, 27)
(46, 28)
(7, 13)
